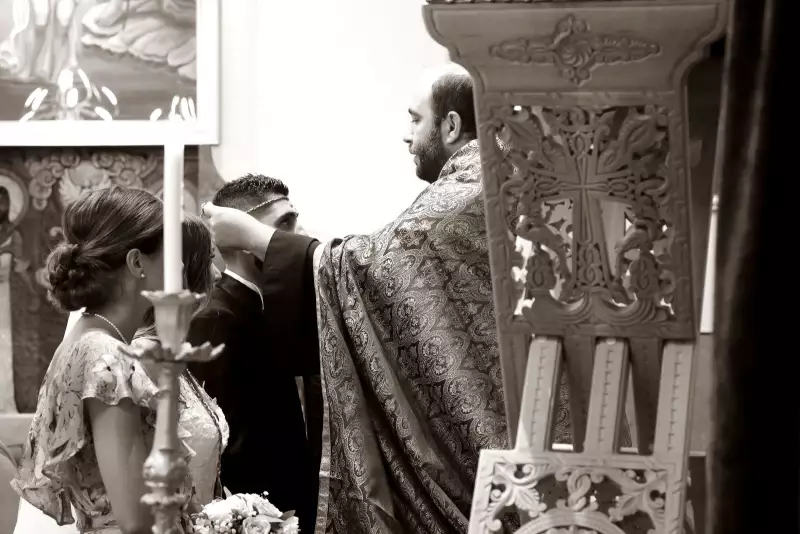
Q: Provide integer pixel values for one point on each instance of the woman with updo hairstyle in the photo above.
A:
(94, 422)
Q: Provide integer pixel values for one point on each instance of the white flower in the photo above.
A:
(249, 500)
(204, 529)
(239, 505)
(264, 507)
(202, 525)
(256, 512)
(290, 526)
(256, 525)
(219, 510)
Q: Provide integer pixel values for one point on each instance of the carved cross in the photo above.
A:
(582, 161)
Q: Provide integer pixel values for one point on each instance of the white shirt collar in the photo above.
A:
(246, 283)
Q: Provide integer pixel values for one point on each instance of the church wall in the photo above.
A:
(332, 108)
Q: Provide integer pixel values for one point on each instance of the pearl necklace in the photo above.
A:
(112, 325)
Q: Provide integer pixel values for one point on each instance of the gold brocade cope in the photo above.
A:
(410, 364)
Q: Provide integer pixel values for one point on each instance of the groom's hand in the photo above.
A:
(234, 229)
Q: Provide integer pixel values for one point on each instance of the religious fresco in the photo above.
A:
(13, 204)
(38, 183)
(97, 59)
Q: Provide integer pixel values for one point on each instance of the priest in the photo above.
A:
(403, 329)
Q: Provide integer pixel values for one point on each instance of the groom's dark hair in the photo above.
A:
(249, 191)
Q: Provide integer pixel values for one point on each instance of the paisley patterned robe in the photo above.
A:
(410, 365)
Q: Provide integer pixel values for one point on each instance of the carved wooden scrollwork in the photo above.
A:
(575, 50)
(586, 168)
(563, 171)
(582, 123)
(552, 492)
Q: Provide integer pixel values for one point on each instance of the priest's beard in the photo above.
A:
(432, 156)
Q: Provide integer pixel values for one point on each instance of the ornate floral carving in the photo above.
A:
(584, 149)
(562, 174)
(551, 494)
(575, 50)
(514, 485)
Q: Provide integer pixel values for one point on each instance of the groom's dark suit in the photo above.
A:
(253, 382)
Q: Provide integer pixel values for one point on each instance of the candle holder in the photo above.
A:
(165, 468)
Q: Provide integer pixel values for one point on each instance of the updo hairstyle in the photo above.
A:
(100, 228)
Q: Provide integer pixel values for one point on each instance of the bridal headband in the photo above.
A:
(264, 204)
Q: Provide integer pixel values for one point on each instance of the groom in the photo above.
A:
(254, 379)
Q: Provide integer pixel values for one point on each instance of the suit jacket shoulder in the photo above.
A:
(231, 318)
(213, 322)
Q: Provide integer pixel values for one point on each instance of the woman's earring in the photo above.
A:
(143, 275)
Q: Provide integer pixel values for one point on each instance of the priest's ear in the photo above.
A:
(452, 128)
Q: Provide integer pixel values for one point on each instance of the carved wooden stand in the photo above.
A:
(165, 468)
(583, 132)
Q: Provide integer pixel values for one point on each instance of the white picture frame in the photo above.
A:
(204, 130)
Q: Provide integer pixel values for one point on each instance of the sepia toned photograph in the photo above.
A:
(452, 267)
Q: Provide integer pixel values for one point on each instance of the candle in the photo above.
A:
(707, 310)
(173, 215)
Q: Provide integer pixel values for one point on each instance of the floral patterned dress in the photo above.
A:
(59, 472)
(206, 424)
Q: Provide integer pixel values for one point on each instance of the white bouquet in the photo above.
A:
(244, 513)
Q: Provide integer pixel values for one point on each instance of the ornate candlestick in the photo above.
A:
(165, 469)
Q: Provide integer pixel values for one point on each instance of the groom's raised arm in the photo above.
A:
(290, 300)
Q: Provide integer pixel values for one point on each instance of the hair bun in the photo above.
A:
(62, 263)
(76, 279)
